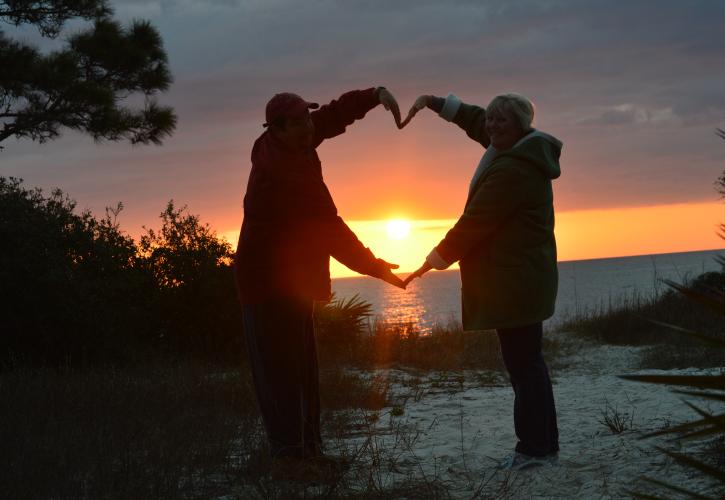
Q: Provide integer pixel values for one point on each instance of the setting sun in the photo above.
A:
(398, 229)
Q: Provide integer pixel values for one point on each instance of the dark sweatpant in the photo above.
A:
(534, 410)
(281, 345)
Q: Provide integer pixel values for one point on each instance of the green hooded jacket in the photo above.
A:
(505, 238)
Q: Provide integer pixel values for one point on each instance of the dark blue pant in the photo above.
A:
(534, 410)
(281, 345)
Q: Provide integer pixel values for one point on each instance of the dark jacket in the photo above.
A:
(291, 226)
(505, 238)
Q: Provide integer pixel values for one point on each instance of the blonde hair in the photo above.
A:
(514, 105)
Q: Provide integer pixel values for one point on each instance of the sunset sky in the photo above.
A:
(633, 89)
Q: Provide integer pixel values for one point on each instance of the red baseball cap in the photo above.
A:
(286, 104)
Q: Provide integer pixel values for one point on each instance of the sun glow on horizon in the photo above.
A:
(397, 229)
(580, 234)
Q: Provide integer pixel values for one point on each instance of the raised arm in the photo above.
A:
(470, 118)
(332, 119)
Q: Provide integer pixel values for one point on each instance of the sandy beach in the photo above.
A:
(450, 431)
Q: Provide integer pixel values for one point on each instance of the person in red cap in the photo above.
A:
(290, 230)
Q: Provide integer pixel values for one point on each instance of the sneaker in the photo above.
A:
(520, 461)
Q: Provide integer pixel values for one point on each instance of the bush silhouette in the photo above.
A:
(195, 292)
(76, 290)
(69, 285)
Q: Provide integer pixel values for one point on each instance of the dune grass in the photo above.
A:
(179, 430)
(644, 321)
(173, 430)
(165, 431)
(348, 335)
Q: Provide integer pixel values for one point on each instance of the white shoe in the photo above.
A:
(520, 461)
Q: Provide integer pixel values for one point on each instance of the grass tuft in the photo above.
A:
(647, 321)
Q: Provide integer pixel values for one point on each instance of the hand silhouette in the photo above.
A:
(420, 103)
(417, 273)
(388, 276)
(390, 104)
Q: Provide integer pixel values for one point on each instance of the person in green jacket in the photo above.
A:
(505, 244)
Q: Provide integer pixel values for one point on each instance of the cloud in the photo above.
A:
(620, 68)
(625, 114)
(229, 59)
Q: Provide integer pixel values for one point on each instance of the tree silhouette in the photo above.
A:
(84, 85)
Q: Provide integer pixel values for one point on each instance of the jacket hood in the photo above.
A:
(539, 149)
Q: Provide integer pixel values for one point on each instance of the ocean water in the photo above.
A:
(584, 286)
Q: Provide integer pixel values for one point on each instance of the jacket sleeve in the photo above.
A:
(349, 250)
(308, 212)
(501, 193)
(332, 119)
(471, 118)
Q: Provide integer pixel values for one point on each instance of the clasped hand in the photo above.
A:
(388, 276)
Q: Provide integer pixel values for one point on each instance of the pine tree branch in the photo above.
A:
(50, 15)
(83, 86)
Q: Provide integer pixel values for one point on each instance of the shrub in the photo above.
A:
(195, 300)
(69, 287)
(77, 291)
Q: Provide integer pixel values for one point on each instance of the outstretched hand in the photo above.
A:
(390, 104)
(417, 273)
(420, 103)
(388, 276)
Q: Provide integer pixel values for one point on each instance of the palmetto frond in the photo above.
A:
(711, 387)
(343, 317)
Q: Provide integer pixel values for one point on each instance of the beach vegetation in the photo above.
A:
(616, 419)
(644, 321)
(709, 426)
(77, 291)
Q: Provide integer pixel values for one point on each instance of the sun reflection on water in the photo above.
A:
(402, 306)
(432, 300)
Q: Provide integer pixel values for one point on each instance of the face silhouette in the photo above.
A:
(503, 129)
(297, 132)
